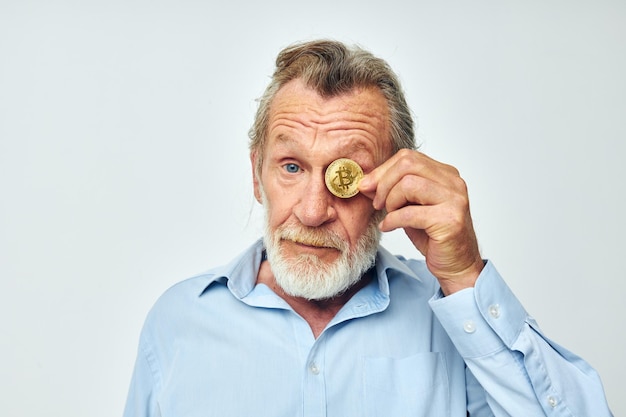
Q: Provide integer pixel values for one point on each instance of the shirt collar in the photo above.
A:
(389, 265)
(241, 273)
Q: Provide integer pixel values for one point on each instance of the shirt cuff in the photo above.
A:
(484, 319)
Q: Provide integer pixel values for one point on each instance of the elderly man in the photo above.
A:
(316, 319)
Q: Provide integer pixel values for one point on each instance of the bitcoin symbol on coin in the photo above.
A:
(342, 177)
(345, 177)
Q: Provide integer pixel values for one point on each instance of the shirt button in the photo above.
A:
(314, 369)
(552, 401)
(469, 326)
(494, 311)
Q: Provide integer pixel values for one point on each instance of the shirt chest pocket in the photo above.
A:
(414, 386)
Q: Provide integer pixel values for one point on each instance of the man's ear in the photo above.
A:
(255, 178)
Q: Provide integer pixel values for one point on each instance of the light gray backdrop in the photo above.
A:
(124, 169)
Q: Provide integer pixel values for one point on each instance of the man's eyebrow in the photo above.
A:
(358, 145)
(285, 140)
(282, 138)
(355, 146)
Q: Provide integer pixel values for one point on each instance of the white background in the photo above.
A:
(124, 168)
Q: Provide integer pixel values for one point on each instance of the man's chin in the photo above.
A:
(316, 295)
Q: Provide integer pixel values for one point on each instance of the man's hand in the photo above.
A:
(429, 200)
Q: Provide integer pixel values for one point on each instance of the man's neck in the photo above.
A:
(317, 313)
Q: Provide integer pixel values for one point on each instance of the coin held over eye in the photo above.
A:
(342, 177)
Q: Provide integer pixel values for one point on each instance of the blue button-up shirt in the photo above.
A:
(219, 344)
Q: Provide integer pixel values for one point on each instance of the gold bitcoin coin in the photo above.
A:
(342, 177)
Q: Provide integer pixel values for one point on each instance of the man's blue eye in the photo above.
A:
(292, 168)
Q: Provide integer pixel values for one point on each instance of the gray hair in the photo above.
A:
(331, 68)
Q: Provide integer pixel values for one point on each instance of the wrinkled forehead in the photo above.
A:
(297, 106)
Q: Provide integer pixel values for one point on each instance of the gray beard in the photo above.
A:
(309, 277)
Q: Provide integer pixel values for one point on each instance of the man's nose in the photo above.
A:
(315, 205)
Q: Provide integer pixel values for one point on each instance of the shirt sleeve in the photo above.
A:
(521, 371)
(141, 401)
